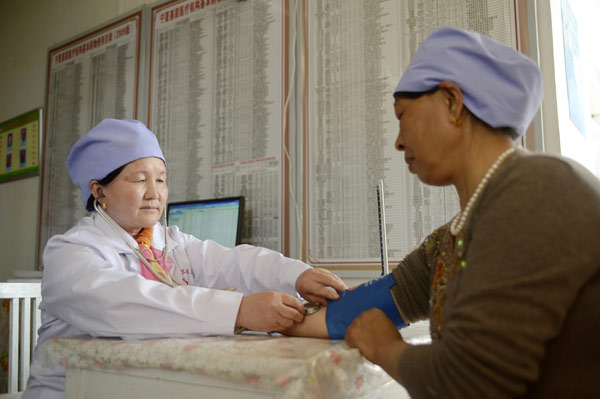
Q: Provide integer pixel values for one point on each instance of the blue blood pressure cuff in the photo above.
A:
(372, 294)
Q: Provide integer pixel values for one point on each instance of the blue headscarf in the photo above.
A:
(500, 86)
(109, 145)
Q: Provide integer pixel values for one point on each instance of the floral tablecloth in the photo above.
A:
(297, 367)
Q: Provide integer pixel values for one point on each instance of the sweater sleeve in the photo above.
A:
(528, 256)
(413, 281)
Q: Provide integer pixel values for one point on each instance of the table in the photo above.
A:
(249, 365)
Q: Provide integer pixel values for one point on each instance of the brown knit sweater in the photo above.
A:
(520, 320)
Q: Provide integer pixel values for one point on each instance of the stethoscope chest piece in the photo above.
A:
(311, 308)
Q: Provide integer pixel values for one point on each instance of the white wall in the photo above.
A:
(570, 141)
(584, 149)
(27, 29)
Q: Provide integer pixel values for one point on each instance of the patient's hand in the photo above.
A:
(314, 325)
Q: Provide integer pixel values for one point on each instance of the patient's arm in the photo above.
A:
(313, 326)
(372, 294)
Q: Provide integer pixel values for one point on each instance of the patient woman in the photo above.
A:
(120, 273)
(511, 286)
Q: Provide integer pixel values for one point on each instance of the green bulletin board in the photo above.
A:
(20, 146)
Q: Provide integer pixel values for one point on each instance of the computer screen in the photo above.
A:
(217, 219)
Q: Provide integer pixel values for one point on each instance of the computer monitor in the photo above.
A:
(218, 219)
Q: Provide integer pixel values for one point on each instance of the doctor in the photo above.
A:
(120, 273)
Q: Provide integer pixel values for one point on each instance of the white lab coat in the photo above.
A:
(92, 285)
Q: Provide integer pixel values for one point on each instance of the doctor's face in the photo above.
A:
(137, 196)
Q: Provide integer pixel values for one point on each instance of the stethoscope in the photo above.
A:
(172, 281)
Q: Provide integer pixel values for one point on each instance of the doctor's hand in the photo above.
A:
(315, 285)
(269, 311)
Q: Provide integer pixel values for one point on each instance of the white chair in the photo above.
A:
(24, 322)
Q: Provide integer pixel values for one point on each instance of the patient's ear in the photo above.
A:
(453, 98)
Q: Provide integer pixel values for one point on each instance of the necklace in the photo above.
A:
(459, 220)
